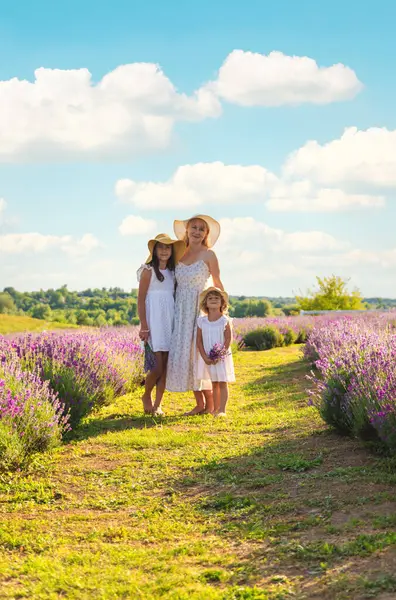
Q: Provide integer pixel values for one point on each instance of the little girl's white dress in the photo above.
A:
(160, 308)
(213, 333)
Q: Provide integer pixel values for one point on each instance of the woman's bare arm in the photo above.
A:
(141, 304)
(213, 264)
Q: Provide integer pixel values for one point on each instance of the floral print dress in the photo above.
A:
(181, 374)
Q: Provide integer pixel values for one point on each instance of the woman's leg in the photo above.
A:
(199, 406)
(151, 379)
(160, 388)
(216, 397)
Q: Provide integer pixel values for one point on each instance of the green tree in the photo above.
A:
(7, 304)
(332, 294)
(41, 311)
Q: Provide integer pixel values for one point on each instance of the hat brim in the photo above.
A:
(180, 228)
(204, 294)
(179, 248)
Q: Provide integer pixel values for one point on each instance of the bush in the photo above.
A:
(32, 418)
(12, 454)
(264, 338)
(289, 336)
(354, 386)
(302, 336)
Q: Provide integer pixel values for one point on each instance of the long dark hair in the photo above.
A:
(154, 262)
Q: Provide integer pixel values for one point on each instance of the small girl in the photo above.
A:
(214, 337)
(156, 311)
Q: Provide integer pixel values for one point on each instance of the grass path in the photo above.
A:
(266, 504)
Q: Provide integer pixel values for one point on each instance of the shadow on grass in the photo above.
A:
(277, 376)
(117, 422)
(277, 502)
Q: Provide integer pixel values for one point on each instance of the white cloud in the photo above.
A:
(135, 225)
(302, 196)
(63, 114)
(251, 253)
(357, 258)
(248, 234)
(252, 79)
(81, 247)
(20, 243)
(193, 185)
(357, 157)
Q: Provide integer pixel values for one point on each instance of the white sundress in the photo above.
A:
(160, 308)
(213, 333)
(191, 281)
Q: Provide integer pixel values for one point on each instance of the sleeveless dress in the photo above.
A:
(191, 281)
(160, 308)
(213, 333)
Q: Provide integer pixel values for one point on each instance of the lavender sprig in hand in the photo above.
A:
(218, 352)
(149, 358)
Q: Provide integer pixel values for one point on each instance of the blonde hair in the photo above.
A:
(205, 240)
(223, 306)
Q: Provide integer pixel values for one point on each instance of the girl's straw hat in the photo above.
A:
(180, 228)
(163, 238)
(203, 295)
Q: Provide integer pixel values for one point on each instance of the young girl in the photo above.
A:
(214, 338)
(156, 311)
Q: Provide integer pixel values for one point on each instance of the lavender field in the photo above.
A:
(50, 381)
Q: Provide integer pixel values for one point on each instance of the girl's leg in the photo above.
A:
(208, 395)
(159, 391)
(223, 385)
(216, 397)
(151, 379)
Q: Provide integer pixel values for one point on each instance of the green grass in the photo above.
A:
(16, 324)
(267, 504)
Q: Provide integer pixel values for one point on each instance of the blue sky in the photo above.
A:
(66, 195)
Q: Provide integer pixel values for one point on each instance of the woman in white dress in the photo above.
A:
(196, 271)
(156, 312)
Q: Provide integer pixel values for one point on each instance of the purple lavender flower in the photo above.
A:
(218, 352)
(149, 358)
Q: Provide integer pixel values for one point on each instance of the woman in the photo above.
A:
(194, 272)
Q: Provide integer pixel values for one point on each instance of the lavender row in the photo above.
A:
(50, 381)
(354, 382)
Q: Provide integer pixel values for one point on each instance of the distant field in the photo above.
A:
(15, 324)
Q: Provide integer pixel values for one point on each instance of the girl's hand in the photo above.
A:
(144, 334)
(209, 361)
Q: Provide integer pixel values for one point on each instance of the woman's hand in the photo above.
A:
(209, 361)
(144, 334)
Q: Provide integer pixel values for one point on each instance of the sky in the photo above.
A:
(277, 119)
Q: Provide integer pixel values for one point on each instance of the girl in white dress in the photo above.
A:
(156, 311)
(214, 338)
(196, 271)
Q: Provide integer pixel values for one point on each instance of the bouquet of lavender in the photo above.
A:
(218, 352)
(149, 358)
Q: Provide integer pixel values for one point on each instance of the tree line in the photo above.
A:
(114, 306)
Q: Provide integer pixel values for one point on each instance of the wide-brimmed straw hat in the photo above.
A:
(203, 295)
(163, 238)
(180, 228)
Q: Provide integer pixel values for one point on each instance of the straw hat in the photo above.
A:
(203, 295)
(180, 228)
(163, 238)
